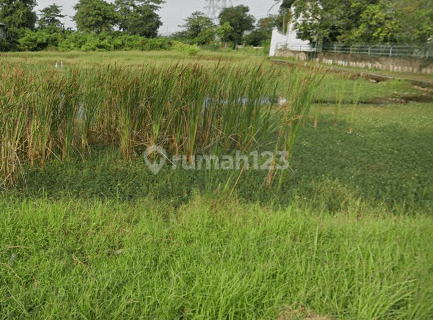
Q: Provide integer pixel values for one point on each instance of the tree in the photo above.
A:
(139, 17)
(198, 28)
(50, 17)
(378, 24)
(95, 16)
(239, 20)
(255, 38)
(336, 20)
(285, 14)
(415, 20)
(266, 25)
(20, 17)
(376, 21)
(284, 18)
(225, 32)
(286, 4)
(18, 14)
(262, 32)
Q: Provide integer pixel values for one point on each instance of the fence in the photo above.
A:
(383, 50)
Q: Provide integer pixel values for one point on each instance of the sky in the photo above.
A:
(173, 12)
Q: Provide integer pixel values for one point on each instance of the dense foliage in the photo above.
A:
(95, 16)
(139, 17)
(50, 17)
(198, 28)
(239, 20)
(349, 21)
(96, 20)
(105, 41)
(18, 14)
(376, 21)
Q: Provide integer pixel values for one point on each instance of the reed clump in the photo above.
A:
(187, 108)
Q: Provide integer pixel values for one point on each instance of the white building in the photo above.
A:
(289, 40)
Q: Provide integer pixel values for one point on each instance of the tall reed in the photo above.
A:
(187, 108)
(293, 115)
(339, 95)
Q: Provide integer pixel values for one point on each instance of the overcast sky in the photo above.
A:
(173, 12)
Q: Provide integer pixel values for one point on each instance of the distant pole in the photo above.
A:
(214, 7)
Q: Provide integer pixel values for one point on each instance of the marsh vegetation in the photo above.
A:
(89, 231)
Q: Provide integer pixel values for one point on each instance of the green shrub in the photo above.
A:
(28, 40)
(4, 45)
(39, 40)
(73, 41)
(186, 48)
(255, 38)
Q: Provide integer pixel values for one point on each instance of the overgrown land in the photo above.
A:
(89, 231)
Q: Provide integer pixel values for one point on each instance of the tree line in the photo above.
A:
(99, 24)
(134, 24)
(365, 21)
(124, 24)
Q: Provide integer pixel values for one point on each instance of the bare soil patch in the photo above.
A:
(300, 313)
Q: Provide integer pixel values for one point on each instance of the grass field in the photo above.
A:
(209, 259)
(345, 233)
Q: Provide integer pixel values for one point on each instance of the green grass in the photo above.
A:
(345, 233)
(385, 165)
(123, 57)
(384, 162)
(209, 260)
(370, 93)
